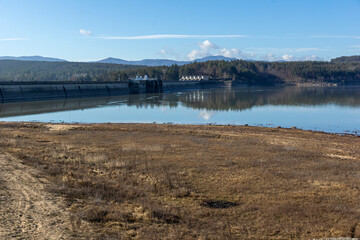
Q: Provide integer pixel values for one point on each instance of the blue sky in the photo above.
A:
(85, 30)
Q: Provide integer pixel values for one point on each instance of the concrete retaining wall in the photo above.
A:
(169, 86)
(31, 92)
(19, 92)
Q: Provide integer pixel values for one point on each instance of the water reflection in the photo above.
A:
(245, 98)
(309, 108)
(206, 115)
(30, 108)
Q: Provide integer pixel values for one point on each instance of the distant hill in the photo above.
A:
(112, 61)
(163, 62)
(42, 71)
(33, 58)
(215, 58)
(144, 62)
(346, 59)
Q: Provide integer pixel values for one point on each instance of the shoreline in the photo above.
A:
(346, 133)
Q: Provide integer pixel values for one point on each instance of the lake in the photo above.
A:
(329, 109)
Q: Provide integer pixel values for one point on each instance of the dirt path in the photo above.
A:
(27, 211)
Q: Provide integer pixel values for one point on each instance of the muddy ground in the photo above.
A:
(147, 181)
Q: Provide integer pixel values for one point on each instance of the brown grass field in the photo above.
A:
(148, 181)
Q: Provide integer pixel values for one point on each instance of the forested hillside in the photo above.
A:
(257, 72)
(244, 71)
(346, 59)
(13, 70)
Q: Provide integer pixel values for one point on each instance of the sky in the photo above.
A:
(90, 30)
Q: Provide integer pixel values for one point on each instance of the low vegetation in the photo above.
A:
(141, 181)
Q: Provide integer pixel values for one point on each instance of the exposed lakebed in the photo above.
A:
(329, 109)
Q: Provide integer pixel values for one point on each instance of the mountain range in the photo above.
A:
(33, 58)
(144, 62)
(161, 62)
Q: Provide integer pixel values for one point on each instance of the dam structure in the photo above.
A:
(35, 91)
(145, 85)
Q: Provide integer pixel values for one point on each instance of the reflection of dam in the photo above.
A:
(220, 99)
(28, 108)
(248, 97)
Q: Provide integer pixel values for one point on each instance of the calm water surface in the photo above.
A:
(324, 109)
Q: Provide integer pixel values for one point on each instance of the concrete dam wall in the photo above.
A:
(169, 86)
(36, 91)
(18, 92)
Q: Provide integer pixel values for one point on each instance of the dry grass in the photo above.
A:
(196, 182)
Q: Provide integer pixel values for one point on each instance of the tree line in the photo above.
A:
(243, 71)
(255, 72)
(14, 70)
(345, 59)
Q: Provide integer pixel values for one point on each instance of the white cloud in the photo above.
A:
(235, 53)
(305, 49)
(170, 36)
(12, 39)
(313, 36)
(194, 54)
(285, 50)
(207, 45)
(180, 36)
(287, 57)
(85, 32)
(311, 58)
(231, 53)
(169, 52)
(270, 57)
(206, 48)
